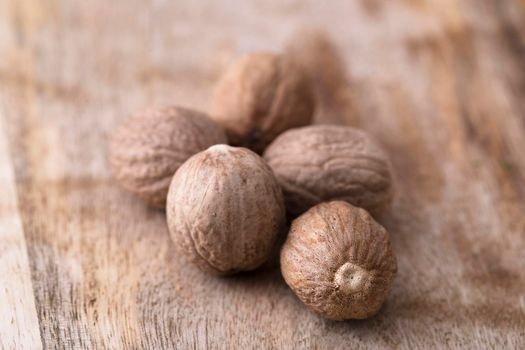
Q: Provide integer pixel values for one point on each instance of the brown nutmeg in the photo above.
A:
(339, 261)
(147, 149)
(319, 163)
(260, 96)
(225, 210)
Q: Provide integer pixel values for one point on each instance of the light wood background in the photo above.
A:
(84, 265)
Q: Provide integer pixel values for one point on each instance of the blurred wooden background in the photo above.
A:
(84, 265)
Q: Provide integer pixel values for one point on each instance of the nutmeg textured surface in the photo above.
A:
(148, 148)
(339, 261)
(225, 210)
(260, 96)
(326, 162)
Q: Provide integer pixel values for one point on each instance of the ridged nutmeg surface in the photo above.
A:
(339, 261)
(225, 210)
(147, 149)
(260, 96)
(327, 162)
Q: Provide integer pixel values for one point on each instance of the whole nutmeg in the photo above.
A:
(147, 149)
(260, 96)
(319, 163)
(339, 261)
(225, 209)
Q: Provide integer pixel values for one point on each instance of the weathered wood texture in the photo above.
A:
(440, 82)
(18, 317)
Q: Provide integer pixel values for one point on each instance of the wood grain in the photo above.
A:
(440, 82)
(18, 319)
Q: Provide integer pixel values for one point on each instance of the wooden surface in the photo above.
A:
(84, 265)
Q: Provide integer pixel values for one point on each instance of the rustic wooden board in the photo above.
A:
(440, 82)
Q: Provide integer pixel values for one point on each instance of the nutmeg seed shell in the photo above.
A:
(260, 96)
(225, 210)
(339, 261)
(147, 149)
(320, 163)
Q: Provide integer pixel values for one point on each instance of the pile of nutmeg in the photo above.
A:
(230, 179)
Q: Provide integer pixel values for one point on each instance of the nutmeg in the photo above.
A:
(225, 210)
(327, 162)
(147, 149)
(260, 96)
(339, 261)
